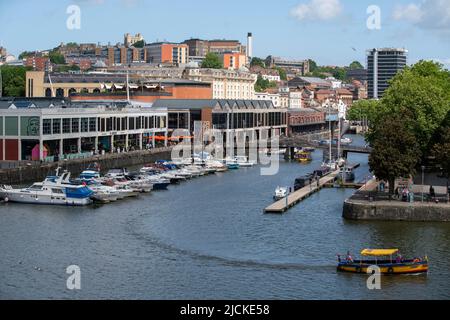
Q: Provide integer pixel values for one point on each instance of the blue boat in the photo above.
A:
(233, 166)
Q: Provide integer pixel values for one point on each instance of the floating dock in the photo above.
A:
(299, 195)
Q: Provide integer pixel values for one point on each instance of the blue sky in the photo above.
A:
(332, 32)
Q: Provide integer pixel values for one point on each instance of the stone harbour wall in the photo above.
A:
(33, 173)
(396, 211)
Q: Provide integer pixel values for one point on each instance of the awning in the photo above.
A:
(133, 86)
(378, 252)
(107, 86)
(118, 86)
(151, 86)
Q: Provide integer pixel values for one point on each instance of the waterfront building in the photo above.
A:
(305, 120)
(165, 52)
(226, 84)
(54, 129)
(228, 116)
(100, 86)
(382, 65)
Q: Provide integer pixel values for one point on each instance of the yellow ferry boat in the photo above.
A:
(303, 156)
(387, 264)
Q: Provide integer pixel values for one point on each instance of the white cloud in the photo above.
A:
(410, 12)
(317, 10)
(444, 61)
(429, 14)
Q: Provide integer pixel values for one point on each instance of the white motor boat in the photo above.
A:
(182, 161)
(104, 194)
(216, 165)
(54, 190)
(114, 173)
(127, 191)
(280, 193)
(243, 161)
(346, 141)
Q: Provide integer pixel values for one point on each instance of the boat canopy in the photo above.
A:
(378, 252)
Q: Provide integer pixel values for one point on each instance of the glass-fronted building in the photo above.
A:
(382, 66)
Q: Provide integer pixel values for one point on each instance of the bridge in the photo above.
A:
(300, 141)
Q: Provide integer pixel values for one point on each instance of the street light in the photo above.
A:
(423, 169)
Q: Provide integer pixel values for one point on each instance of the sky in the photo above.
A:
(331, 32)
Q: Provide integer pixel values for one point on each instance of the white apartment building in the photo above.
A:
(226, 84)
(274, 97)
(295, 99)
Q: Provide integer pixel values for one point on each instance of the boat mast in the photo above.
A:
(331, 135)
(128, 90)
(339, 136)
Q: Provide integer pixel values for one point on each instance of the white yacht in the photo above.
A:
(280, 193)
(243, 161)
(54, 190)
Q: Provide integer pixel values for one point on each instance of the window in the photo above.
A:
(118, 121)
(75, 125)
(131, 123)
(102, 125)
(92, 124)
(84, 124)
(47, 126)
(66, 125)
(56, 126)
(109, 124)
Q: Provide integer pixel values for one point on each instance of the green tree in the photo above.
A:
(13, 80)
(212, 60)
(65, 68)
(365, 109)
(356, 65)
(339, 73)
(282, 73)
(25, 55)
(56, 57)
(139, 44)
(421, 95)
(261, 84)
(395, 151)
(312, 65)
(441, 147)
(257, 62)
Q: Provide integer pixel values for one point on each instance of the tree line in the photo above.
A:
(410, 126)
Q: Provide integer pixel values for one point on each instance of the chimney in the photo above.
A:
(250, 46)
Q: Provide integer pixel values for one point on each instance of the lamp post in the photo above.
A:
(423, 178)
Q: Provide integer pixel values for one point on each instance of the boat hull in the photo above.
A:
(387, 269)
(46, 199)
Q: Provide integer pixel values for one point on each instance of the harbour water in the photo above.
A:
(208, 238)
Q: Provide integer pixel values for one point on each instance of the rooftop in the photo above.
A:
(223, 104)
